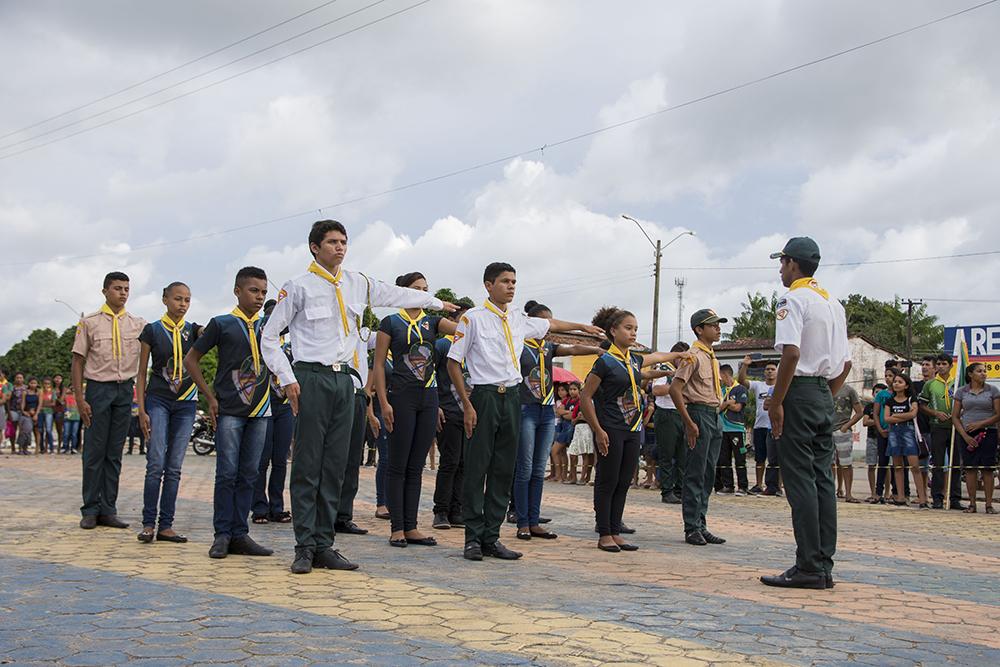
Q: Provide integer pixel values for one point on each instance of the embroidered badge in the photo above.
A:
(282, 294)
(781, 314)
(782, 302)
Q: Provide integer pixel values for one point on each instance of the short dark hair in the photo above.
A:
(928, 357)
(408, 279)
(879, 385)
(680, 346)
(533, 308)
(770, 362)
(726, 367)
(176, 283)
(807, 267)
(321, 228)
(248, 272)
(494, 269)
(113, 276)
(608, 318)
(891, 363)
(944, 357)
(970, 368)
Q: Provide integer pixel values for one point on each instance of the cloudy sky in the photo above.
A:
(884, 153)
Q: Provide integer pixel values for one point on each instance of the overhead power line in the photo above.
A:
(828, 265)
(166, 72)
(484, 164)
(206, 86)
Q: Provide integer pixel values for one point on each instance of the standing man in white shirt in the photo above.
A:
(321, 310)
(489, 340)
(811, 335)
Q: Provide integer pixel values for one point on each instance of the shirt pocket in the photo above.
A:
(318, 312)
(101, 343)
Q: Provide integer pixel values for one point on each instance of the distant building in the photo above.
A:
(868, 359)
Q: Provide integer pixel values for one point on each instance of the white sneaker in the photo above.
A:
(740, 492)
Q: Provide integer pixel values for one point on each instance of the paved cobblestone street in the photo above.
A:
(913, 587)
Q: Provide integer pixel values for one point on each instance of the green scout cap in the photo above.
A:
(706, 316)
(799, 247)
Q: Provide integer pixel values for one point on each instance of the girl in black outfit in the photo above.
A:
(409, 401)
(612, 404)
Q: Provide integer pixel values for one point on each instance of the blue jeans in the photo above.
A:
(45, 421)
(71, 435)
(239, 442)
(170, 426)
(537, 431)
(382, 465)
(269, 495)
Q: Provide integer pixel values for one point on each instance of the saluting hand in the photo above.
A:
(776, 412)
(292, 393)
(85, 413)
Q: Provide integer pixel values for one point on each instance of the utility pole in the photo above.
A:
(910, 303)
(680, 282)
(656, 298)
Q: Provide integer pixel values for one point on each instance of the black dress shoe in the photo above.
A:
(524, 534)
(938, 505)
(712, 539)
(498, 550)
(610, 548)
(625, 530)
(88, 522)
(331, 559)
(422, 541)
(220, 547)
(696, 538)
(402, 543)
(456, 522)
(472, 551)
(543, 519)
(441, 521)
(628, 547)
(670, 499)
(511, 517)
(145, 538)
(303, 563)
(245, 546)
(544, 535)
(829, 580)
(179, 539)
(956, 505)
(349, 528)
(111, 521)
(793, 578)
(383, 515)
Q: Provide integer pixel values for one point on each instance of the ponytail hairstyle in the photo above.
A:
(968, 371)
(534, 309)
(408, 279)
(608, 318)
(176, 283)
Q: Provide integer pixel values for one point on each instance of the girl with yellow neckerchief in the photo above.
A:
(410, 410)
(537, 425)
(612, 404)
(167, 407)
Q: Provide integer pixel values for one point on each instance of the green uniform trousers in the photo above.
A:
(111, 412)
(671, 450)
(806, 445)
(489, 462)
(349, 489)
(699, 470)
(322, 444)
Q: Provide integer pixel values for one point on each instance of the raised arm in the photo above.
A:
(741, 377)
(391, 296)
(577, 350)
(562, 326)
(673, 358)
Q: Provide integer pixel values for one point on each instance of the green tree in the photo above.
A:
(43, 353)
(884, 322)
(209, 366)
(757, 318)
(448, 294)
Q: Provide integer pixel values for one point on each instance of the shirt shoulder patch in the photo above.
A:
(465, 320)
(781, 314)
(282, 294)
(782, 302)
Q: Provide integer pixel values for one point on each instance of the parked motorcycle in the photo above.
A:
(203, 435)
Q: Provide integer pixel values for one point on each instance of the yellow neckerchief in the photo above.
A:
(251, 334)
(811, 284)
(116, 332)
(412, 324)
(540, 346)
(335, 281)
(946, 382)
(715, 368)
(506, 330)
(626, 358)
(175, 329)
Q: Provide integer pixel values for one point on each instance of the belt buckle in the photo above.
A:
(502, 389)
(336, 368)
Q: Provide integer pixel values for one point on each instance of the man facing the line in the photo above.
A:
(811, 335)
(323, 309)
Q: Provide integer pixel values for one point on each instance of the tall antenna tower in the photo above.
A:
(680, 282)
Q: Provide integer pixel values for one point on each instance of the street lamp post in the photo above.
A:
(658, 248)
(72, 310)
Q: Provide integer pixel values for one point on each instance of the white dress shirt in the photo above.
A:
(665, 401)
(308, 306)
(817, 325)
(481, 343)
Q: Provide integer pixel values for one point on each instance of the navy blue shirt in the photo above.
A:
(241, 392)
(531, 377)
(613, 400)
(161, 352)
(412, 350)
(448, 398)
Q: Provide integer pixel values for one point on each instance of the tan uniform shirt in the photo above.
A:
(93, 342)
(699, 380)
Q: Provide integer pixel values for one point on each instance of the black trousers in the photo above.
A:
(448, 485)
(349, 489)
(111, 410)
(772, 474)
(614, 472)
(941, 449)
(733, 446)
(415, 414)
